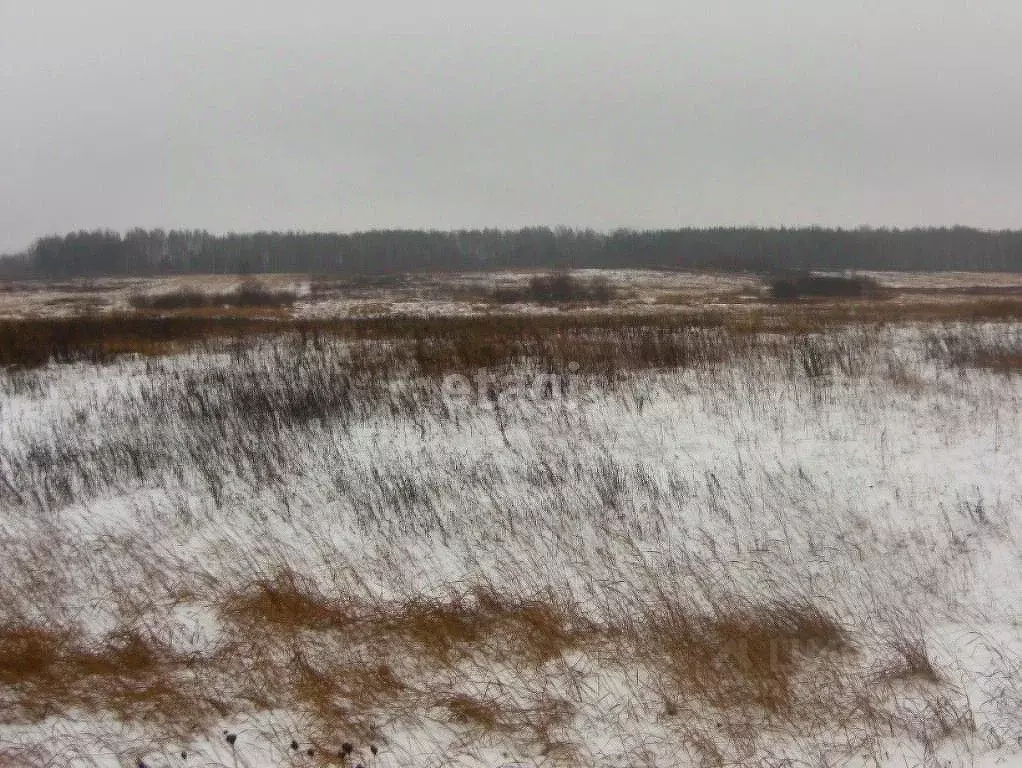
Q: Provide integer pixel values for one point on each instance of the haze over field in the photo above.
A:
(342, 116)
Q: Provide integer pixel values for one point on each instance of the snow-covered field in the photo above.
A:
(806, 554)
(416, 294)
(469, 293)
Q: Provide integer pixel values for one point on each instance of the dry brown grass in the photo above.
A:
(468, 710)
(341, 663)
(741, 656)
(913, 659)
(1000, 361)
(285, 602)
(531, 629)
(999, 351)
(736, 658)
(599, 342)
(30, 343)
(47, 671)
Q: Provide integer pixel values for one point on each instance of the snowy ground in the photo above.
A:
(467, 293)
(416, 294)
(866, 472)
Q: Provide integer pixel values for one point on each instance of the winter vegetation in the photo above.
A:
(596, 523)
(557, 288)
(823, 286)
(251, 293)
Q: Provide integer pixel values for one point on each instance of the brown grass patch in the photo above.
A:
(738, 657)
(532, 629)
(742, 656)
(603, 343)
(30, 343)
(48, 671)
(29, 654)
(338, 659)
(468, 710)
(341, 664)
(288, 603)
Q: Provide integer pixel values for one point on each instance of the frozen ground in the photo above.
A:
(465, 293)
(414, 294)
(866, 474)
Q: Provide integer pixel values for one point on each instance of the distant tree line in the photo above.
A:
(158, 252)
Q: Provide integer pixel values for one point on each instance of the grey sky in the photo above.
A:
(231, 115)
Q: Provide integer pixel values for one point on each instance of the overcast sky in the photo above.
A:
(230, 115)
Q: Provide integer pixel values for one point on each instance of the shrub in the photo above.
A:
(254, 294)
(807, 284)
(180, 299)
(557, 288)
(250, 294)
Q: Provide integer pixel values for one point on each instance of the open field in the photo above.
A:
(471, 293)
(686, 526)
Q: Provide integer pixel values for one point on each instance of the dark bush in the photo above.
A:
(798, 286)
(253, 294)
(182, 299)
(557, 288)
(250, 294)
